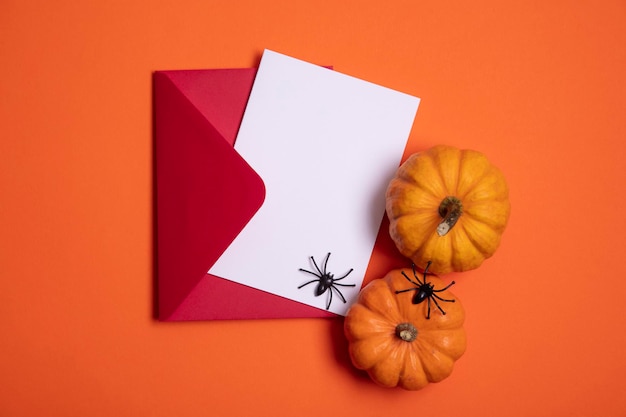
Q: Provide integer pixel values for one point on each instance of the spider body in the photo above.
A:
(324, 284)
(326, 281)
(425, 291)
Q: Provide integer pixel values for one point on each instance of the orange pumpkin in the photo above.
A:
(399, 342)
(449, 207)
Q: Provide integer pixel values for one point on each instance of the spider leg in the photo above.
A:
(408, 289)
(316, 267)
(312, 273)
(410, 280)
(332, 287)
(438, 306)
(325, 263)
(307, 283)
(348, 273)
(425, 273)
(446, 287)
(330, 297)
(443, 299)
(426, 269)
(428, 314)
(345, 285)
(418, 278)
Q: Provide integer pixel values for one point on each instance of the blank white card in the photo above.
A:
(326, 145)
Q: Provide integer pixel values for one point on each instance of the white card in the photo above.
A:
(326, 145)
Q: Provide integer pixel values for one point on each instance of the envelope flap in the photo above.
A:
(220, 95)
(194, 164)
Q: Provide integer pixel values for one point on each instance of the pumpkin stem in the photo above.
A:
(406, 332)
(450, 210)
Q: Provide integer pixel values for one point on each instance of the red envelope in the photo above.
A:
(205, 195)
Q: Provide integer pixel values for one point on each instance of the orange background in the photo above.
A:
(537, 86)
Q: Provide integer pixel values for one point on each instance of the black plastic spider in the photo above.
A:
(326, 281)
(425, 290)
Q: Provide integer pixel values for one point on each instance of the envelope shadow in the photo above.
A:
(340, 349)
(154, 275)
(256, 61)
(377, 222)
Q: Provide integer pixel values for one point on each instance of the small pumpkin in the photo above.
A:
(392, 339)
(448, 206)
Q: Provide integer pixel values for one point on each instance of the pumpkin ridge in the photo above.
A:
(417, 227)
(471, 256)
(399, 283)
(404, 174)
(436, 365)
(492, 185)
(377, 324)
(383, 370)
(436, 157)
(421, 350)
(482, 210)
(444, 362)
(377, 297)
(458, 176)
(396, 306)
(412, 375)
(367, 353)
(413, 196)
(484, 251)
(439, 250)
(462, 172)
(450, 350)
